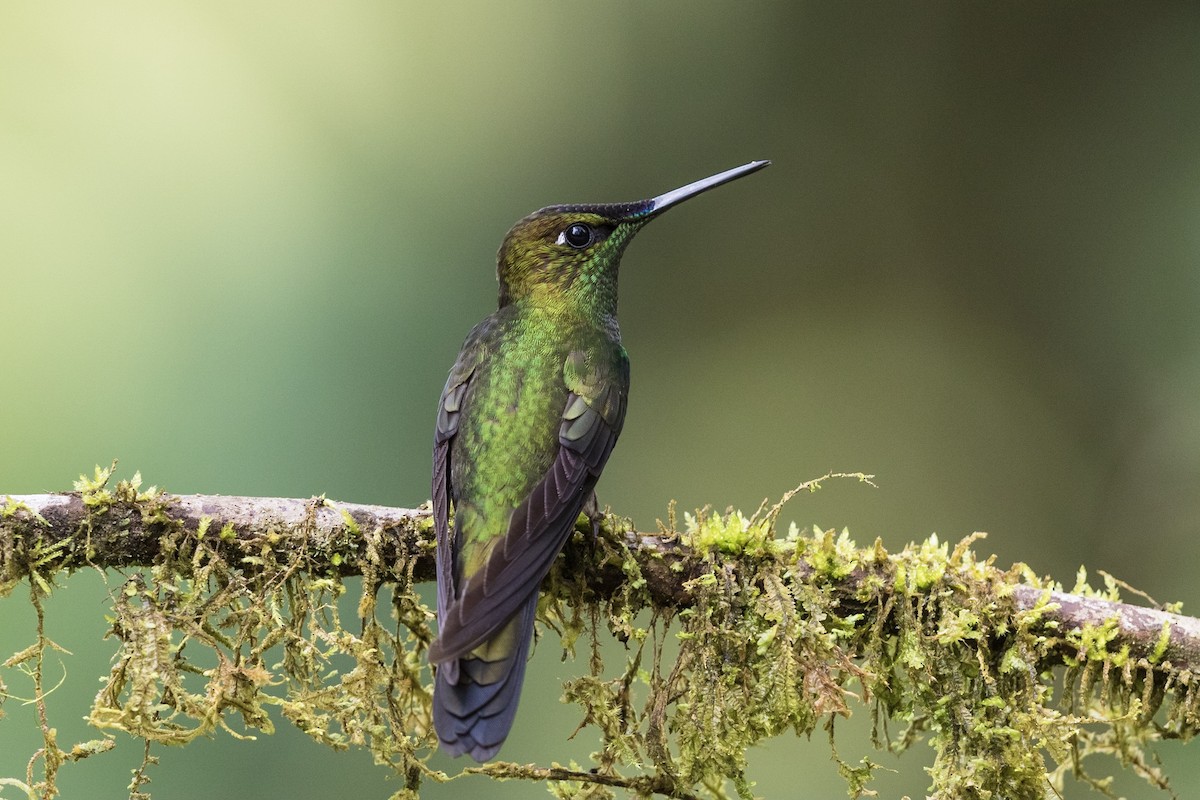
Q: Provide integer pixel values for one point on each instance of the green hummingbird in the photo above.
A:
(525, 424)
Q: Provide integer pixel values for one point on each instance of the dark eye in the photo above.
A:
(578, 236)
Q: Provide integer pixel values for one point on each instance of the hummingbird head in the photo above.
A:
(571, 253)
(564, 251)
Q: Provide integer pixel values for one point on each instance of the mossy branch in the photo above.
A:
(770, 631)
(129, 533)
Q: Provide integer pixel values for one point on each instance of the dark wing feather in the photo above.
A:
(449, 408)
(541, 525)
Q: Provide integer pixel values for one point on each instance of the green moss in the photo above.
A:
(769, 645)
(831, 558)
(730, 533)
(1160, 646)
(11, 508)
(782, 633)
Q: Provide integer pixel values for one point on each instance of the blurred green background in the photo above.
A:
(242, 243)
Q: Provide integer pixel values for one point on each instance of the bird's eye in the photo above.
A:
(578, 236)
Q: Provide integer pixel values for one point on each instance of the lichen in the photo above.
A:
(226, 632)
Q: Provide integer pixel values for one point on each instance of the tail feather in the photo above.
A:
(475, 699)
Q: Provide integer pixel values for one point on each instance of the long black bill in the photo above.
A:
(659, 204)
(647, 209)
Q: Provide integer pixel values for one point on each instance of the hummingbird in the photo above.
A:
(527, 419)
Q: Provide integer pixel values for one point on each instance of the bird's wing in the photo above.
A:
(449, 408)
(598, 386)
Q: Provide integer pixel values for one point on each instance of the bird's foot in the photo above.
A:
(591, 510)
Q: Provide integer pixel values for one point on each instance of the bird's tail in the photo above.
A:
(475, 697)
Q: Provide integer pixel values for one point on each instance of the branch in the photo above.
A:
(767, 634)
(129, 535)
